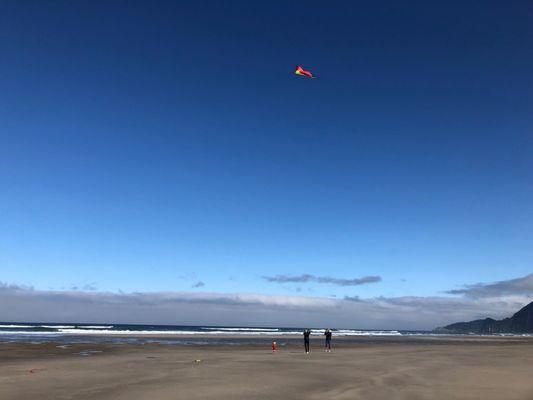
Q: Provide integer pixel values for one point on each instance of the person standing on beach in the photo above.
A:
(307, 332)
(327, 346)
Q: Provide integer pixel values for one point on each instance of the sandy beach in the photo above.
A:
(384, 368)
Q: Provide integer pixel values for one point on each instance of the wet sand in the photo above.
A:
(385, 368)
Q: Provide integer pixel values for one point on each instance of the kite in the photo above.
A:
(302, 72)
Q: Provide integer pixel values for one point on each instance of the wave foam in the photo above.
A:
(95, 326)
(55, 326)
(16, 326)
(244, 329)
(219, 332)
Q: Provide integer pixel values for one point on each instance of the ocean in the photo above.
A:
(80, 332)
(177, 334)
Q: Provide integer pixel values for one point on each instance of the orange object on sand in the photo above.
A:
(274, 347)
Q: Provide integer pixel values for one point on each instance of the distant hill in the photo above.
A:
(520, 322)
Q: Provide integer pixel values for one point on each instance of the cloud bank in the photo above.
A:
(518, 286)
(25, 304)
(321, 279)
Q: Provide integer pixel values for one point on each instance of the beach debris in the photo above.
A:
(32, 371)
(198, 361)
(302, 72)
(87, 353)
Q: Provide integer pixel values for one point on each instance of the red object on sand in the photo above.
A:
(274, 347)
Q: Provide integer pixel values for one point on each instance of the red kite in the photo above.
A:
(302, 72)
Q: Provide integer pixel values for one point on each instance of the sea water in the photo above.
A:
(89, 332)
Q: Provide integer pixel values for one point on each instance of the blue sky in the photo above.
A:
(147, 146)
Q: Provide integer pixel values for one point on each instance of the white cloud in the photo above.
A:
(518, 286)
(207, 308)
(304, 278)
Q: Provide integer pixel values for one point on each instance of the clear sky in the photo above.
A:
(156, 146)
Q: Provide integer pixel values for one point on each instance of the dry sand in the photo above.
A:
(421, 368)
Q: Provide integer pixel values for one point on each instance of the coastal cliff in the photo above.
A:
(520, 322)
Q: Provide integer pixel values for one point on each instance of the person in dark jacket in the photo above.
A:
(307, 332)
(327, 334)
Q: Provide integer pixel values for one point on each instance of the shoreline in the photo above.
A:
(258, 340)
